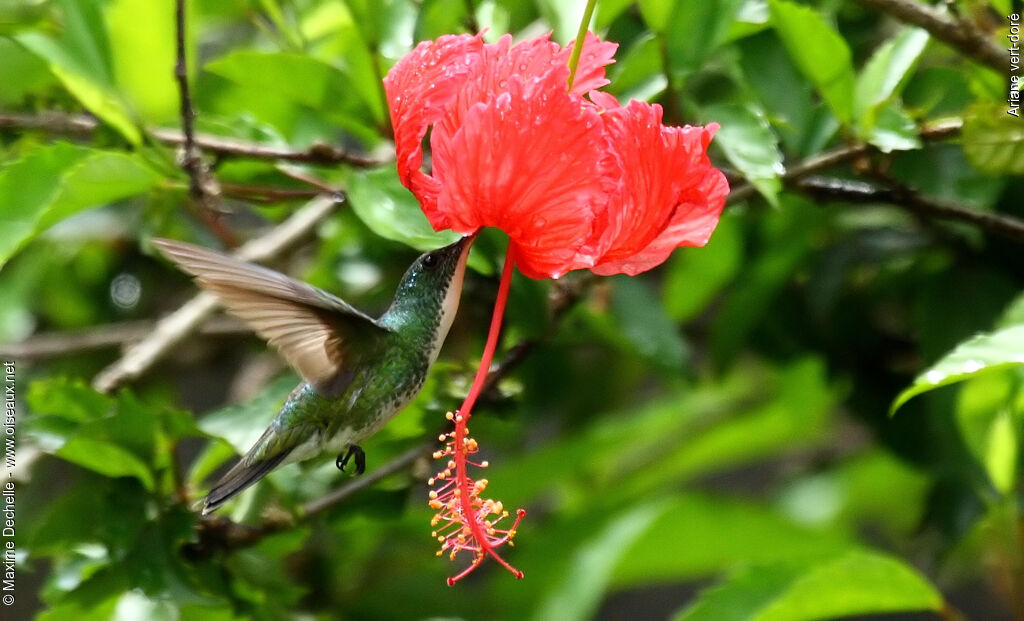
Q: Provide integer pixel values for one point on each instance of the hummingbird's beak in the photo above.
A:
(465, 244)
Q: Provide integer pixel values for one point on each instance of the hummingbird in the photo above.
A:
(357, 372)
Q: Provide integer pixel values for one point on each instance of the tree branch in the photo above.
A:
(50, 344)
(903, 196)
(346, 491)
(960, 34)
(932, 132)
(80, 124)
(170, 330)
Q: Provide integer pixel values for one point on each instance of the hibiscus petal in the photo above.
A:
(669, 195)
(595, 55)
(531, 162)
(532, 60)
(695, 219)
(419, 88)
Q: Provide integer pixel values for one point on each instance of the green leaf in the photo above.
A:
(854, 583)
(885, 75)
(819, 52)
(67, 399)
(980, 355)
(894, 130)
(579, 592)
(106, 458)
(750, 145)
(985, 415)
(142, 38)
(993, 139)
(304, 81)
(53, 182)
(80, 59)
(693, 31)
(391, 211)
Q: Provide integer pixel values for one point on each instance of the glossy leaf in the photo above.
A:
(749, 144)
(391, 211)
(982, 354)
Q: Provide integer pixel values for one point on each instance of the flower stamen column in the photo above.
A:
(471, 523)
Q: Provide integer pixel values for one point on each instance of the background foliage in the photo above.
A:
(711, 440)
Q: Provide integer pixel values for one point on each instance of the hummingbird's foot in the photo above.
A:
(353, 451)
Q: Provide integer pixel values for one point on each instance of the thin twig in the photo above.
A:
(203, 189)
(266, 194)
(908, 198)
(346, 491)
(229, 147)
(172, 329)
(82, 124)
(960, 34)
(932, 132)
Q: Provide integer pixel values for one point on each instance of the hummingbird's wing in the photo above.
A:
(319, 334)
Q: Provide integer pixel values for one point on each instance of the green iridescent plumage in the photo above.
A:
(358, 372)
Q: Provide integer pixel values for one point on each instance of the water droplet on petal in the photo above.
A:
(934, 376)
(540, 223)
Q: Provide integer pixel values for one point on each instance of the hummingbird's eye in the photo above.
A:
(430, 261)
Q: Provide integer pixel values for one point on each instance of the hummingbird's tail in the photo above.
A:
(239, 478)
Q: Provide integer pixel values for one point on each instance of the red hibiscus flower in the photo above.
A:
(575, 179)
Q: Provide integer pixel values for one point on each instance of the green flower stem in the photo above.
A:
(581, 35)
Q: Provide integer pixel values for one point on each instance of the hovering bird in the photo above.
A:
(357, 372)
